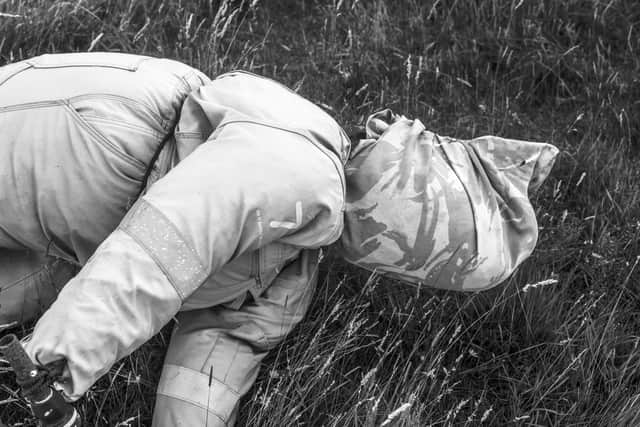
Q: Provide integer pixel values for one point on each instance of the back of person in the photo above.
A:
(89, 126)
(222, 234)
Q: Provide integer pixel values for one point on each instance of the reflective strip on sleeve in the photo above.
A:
(192, 386)
(164, 243)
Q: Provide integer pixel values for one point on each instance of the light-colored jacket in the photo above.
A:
(253, 175)
(78, 133)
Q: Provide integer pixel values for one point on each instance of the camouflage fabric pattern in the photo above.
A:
(448, 213)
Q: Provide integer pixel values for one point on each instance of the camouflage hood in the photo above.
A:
(451, 214)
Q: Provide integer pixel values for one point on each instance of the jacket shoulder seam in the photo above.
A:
(335, 230)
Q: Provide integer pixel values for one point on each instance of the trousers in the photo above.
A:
(225, 342)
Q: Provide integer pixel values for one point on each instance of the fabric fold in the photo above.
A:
(448, 213)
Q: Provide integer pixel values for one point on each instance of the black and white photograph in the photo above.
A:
(310, 213)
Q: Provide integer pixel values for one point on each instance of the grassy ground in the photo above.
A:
(377, 352)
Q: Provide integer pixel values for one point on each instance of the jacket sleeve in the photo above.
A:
(247, 186)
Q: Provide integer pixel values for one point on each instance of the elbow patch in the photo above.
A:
(160, 238)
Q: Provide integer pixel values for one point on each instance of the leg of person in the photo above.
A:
(29, 283)
(214, 354)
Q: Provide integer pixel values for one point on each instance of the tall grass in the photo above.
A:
(558, 343)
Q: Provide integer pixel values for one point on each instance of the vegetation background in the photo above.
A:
(558, 344)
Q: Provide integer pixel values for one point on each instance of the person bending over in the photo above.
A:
(135, 190)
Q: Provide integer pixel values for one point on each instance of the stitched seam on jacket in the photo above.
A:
(18, 69)
(100, 138)
(98, 96)
(37, 63)
(124, 125)
(188, 135)
(249, 73)
(163, 242)
(125, 100)
(335, 231)
(32, 105)
(80, 121)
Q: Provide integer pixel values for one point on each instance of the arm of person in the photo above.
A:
(247, 186)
